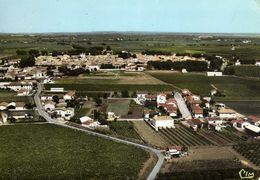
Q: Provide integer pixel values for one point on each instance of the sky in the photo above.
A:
(205, 16)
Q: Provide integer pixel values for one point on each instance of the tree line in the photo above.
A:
(189, 65)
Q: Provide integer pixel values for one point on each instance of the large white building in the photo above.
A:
(214, 74)
(159, 122)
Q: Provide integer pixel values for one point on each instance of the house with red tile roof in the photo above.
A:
(253, 120)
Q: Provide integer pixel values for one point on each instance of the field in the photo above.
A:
(250, 151)
(234, 88)
(246, 71)
(51, 152)
(220, 138)
(150, 136)
(245, 107)
(119, 107)
(117, 81)
(9, 96)
(125, 129)
(136, 42)
(184, 137)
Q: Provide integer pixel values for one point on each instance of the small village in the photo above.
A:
(161, 110)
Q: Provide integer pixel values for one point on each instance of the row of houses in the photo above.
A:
(56, 104)
(22, 88)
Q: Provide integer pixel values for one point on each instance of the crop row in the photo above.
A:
(250, 151)
(184, 137)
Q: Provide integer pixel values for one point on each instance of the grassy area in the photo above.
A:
(119, 107)
(246, 71)
(124, 128)
(234, 88)
(9, 96)
(52, 152)
(112, 87)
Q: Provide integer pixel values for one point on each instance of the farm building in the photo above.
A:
(88, 122)
(214, 74)
(226, 113)
(159, 122)
(252, 130)
(174, 150)
(57, 89)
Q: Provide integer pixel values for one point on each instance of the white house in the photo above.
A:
(69, 95)
(49, 105)
(46, 97)
(3, 117)
(162, 122)
(48, 81)
(257, 63)
(141, 97)
(66, 113)
(3, 105)
(238, 63)
(214, 74)
(161, 98)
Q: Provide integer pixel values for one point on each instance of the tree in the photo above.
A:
(108, 48)
(21, 53)
(44, 53)
(27, 62)
(55, 99)
(34, 53)
(125, 94)
(49, 72)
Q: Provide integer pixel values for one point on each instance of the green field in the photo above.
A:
(9, 96)
(234, 88)
(136, 42)
(125, 129)
(111, 87)
(52, 152)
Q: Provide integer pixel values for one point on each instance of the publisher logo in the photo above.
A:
(244, 174)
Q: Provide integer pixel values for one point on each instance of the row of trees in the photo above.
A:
(189, 65)
(72, 72)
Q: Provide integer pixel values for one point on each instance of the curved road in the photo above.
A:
(46, 116)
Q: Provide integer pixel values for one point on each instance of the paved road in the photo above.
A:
(45, 115)
(182, 106)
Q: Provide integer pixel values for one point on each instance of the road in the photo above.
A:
(46, 116)
(182, 106)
